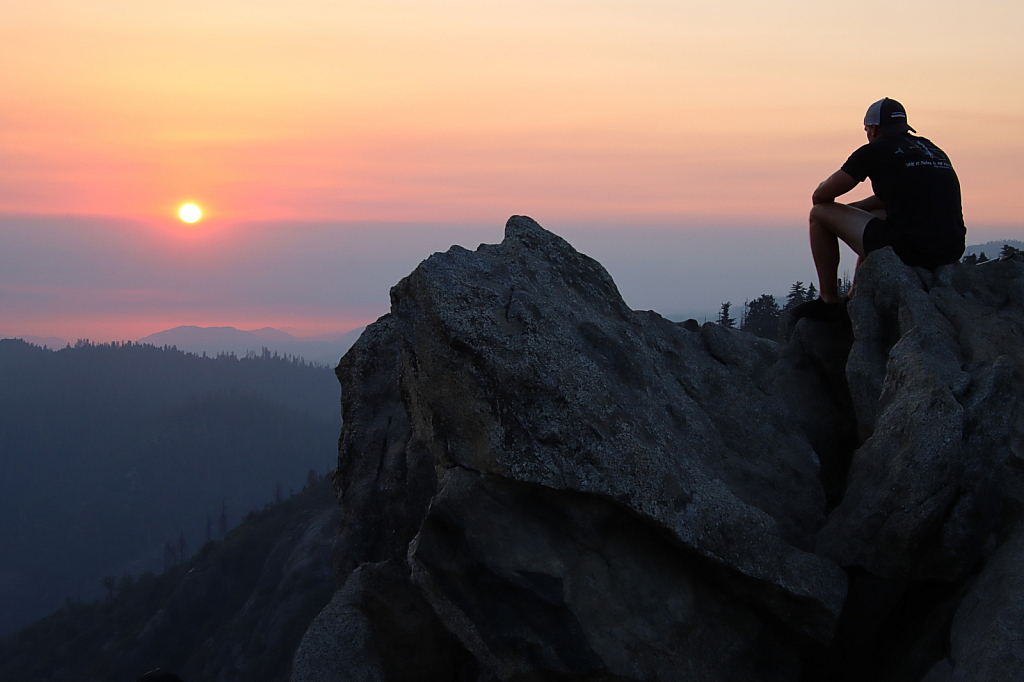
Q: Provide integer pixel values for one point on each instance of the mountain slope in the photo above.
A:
(233, 612)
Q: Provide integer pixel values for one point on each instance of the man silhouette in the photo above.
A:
(915, 207)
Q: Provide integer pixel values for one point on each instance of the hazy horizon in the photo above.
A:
(114, 280)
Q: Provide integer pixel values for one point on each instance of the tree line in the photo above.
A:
(1006, 253)
(761, 315)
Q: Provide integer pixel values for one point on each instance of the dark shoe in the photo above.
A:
(818, 310)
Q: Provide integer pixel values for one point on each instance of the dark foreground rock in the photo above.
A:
(930, 463)
(935, 373)
(928, 518)
(538, 483)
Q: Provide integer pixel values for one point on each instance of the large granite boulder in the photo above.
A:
(538, 483)
(577, 488)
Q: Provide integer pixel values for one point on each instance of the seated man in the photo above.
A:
(915, 207)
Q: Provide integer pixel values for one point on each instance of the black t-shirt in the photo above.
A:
(920, 190)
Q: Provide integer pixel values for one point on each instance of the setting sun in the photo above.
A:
(190, 213)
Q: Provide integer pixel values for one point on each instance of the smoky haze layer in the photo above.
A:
(109, 280)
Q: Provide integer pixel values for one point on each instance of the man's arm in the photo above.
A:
(837, 184)
(870, 204)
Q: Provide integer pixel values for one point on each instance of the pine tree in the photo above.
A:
(844, 284)
(723, 316)
(762, 317)
(812, 292)
(797, 295)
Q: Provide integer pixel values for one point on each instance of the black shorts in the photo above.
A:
(878, 235)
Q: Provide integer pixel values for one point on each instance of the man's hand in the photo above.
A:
(837, 184)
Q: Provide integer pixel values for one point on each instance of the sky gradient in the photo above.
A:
(356, 133)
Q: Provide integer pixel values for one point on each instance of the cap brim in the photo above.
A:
(897, 127)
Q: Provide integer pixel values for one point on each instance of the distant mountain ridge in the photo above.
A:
(992, 249)
(324, 349)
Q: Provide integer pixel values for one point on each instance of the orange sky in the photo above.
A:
(461, 111)
(660, 115)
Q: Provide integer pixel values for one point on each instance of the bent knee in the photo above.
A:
(818, 213)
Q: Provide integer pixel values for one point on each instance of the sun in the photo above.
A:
(190, 213)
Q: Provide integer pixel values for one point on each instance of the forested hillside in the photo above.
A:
(119, 459)
(235, 611)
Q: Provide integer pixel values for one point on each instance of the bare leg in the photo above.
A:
(825, 251)
(878, 213)
(828, 224)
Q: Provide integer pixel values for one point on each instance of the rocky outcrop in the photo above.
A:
(538, 483)
(932, 372)
(935, 485)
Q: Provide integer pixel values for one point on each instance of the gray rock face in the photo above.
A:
(810, 375)
(534, 579)
(932, 372)
(575, 488)
(537, 483)
(521, 361)
(377, 628)
(934, 489)
(986, 633)
(385, 482)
